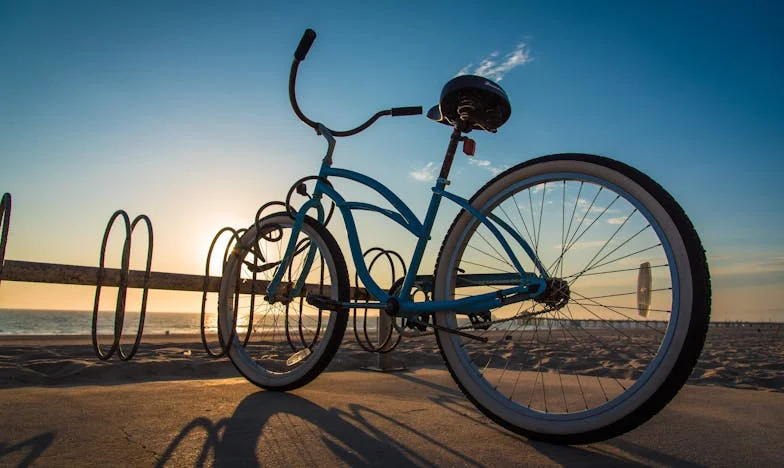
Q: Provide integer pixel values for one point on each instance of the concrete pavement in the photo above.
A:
(356, 418)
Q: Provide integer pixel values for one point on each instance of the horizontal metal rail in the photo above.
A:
(35, 272)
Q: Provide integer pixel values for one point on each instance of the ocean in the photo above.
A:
(68, 322)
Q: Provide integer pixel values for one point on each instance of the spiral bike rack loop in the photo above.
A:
(5, 223)
(423, 285)
(229, 247)
(386, 344)
(145, 289)
(301, 246)
(122, 288)
(224, 344)
(264, 208)
(119, 311)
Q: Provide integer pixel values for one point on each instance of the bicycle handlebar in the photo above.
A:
(299, 55)
(304, 44)
(401, 111)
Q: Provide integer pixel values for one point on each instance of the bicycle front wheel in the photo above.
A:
(285, 345)
(624, 320)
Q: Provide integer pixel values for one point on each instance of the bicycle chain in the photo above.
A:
(411, 334)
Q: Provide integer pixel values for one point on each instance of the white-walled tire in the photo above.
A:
(596, 367)
(289, 344)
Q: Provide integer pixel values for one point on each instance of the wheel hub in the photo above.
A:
(555, 295)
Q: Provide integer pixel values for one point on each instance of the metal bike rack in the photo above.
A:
(124, 278)
(385, 343)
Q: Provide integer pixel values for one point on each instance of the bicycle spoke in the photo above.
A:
(533, 222)
(588, 228)
(622, 270)
(519, 213)
(563, 222)
(578, 357)
(618, 259)
(612, 308)
(610, 239)
(512, 223)
(610, 325)
(491, 256)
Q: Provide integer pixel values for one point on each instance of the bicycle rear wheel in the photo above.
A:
(622, 332)
(283, 345)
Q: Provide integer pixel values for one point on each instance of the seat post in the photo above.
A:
(450, 153)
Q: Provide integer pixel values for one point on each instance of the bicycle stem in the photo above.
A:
(327, 134)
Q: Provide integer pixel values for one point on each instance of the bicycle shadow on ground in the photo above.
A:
(281, 428)
(598, 454)
(35, 447)
(271, 428)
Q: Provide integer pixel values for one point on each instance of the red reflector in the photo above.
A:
(469, 146)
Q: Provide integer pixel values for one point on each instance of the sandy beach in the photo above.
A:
(747, 357)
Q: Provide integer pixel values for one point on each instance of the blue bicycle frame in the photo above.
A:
(523, 285)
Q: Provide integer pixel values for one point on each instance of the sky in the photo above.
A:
(179, 110)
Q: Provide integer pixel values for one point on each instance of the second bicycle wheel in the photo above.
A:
(290, 342)
(624, 320)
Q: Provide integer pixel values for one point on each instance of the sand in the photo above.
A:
(748, 357)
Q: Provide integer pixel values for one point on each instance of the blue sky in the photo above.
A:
(179, 110)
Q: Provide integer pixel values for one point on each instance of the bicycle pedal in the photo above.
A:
(481, 321)
(420, 323)
(324, 302)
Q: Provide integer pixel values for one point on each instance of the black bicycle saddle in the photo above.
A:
(472, 102)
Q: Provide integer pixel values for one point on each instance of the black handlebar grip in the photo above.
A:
(304, 44)
(398, 111)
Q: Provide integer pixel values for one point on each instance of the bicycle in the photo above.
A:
(570, 298)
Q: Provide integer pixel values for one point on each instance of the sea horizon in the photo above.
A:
(20, 322)
(17, 322)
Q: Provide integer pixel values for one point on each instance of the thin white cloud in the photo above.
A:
(426, 174)
(485, 164)
(465, 70)
(479, 162)
(597, 208)
(549, 188)
(618, 220)
(494, 69)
